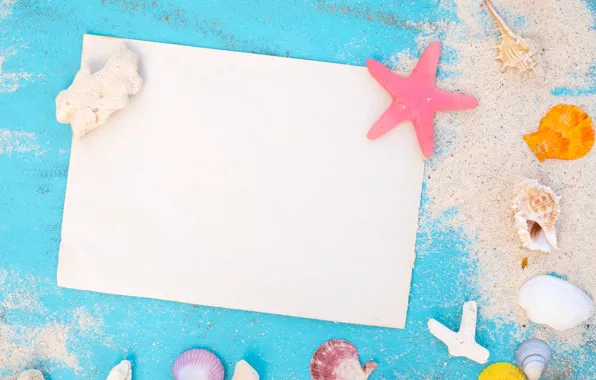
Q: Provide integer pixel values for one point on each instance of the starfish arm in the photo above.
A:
(425, 134)
(450, 101)
(395, 114)
(426, 68)
(386, 78)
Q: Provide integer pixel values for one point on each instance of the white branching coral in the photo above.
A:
(92, 98)
(463, 342)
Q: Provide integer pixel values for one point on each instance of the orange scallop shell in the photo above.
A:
(565, 132)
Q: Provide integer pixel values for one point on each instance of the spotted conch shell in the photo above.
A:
(514, 51)
(338, 360)
(536, 208)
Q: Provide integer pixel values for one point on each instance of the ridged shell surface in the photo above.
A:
(536, 209)
(532, 356)
(514, 51)
(338, 360)
(502, 371)
(198, 364)
(566, 132)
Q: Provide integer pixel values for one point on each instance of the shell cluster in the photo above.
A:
(338, 360)
(532, 356)
(536, 210)
(566, 132)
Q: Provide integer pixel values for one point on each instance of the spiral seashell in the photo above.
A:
(338, 360)
(536, 209)
(532, 356)
(514, 51)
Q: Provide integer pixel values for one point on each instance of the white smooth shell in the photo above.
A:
(122, 371)
(244, 371)
(31, 374)
(554, 302)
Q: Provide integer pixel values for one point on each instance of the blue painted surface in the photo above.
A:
(45, 37)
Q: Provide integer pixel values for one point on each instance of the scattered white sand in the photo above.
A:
(10, 81)
(25, 345)
(17, 142)
(5, 6)
(481, 153)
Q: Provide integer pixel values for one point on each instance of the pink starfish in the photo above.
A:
(416, 98)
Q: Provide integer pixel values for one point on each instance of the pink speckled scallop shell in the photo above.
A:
(198, 365)
(338, 360)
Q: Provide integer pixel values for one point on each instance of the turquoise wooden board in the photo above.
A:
(41, 45)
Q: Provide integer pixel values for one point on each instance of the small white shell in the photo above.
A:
(532, 356)
(122, 371)
(31, 374)
(536, 210)
(244, 371)
(554, 302)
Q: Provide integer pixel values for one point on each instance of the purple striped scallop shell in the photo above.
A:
(198, 364)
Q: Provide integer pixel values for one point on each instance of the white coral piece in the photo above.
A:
(92, 98)
(463, 342)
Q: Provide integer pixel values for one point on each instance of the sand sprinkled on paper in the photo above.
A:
(481, 154)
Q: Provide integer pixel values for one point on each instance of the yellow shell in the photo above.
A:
(565, 132)
(502, 371)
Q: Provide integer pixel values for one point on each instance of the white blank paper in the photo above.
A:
(247, 182)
